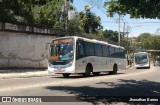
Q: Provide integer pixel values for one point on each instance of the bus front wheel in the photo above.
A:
(88, 71)
(66, 75)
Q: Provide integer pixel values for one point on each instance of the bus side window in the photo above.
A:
(123, 53)
(112, 52)
(79, 49)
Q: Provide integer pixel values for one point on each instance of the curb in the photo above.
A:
(24, 75)
(129, 66)
(32, 74)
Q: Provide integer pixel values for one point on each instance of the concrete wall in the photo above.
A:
(23, 50)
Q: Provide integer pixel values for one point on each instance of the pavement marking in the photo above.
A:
(75, 80)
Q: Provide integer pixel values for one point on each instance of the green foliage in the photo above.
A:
(146, 41)
(48, 14)
(143, 36)
(90, 22)
(126, 44)
(74, 28)
(151, 43)
(112, 35)
(10, 10)
(136, 8)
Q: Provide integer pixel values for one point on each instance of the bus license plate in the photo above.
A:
(60, 70)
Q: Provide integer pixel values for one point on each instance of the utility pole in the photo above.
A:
(124, 30)
(65, 18)
(127, 45)
(127, 31)
(119, 30)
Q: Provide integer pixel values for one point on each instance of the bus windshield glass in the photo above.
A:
(61, 50)
(141, 58)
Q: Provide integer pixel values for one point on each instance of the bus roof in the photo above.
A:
(91, 40)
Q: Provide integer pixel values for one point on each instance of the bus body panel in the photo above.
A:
(100, 64)
(121, 63)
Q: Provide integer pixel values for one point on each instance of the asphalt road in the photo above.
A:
(90, 90)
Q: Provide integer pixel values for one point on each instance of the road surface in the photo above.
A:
(90, 90)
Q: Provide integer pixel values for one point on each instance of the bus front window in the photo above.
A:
(141, 59)
(61, 52)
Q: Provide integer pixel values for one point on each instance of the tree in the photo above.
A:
(151, 43)
(146, 41)
(49, 14)
(143, 36)
(74, 26)
(136, 8)
(89, 21)
(142, 41)
(112, 35)
(16, 11)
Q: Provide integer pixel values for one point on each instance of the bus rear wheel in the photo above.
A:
(66, 75)
(115, 68)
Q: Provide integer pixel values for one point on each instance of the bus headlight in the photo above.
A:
(70, 64)
(49, 65)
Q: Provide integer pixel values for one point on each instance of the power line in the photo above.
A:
(100, 6)
(134, 22)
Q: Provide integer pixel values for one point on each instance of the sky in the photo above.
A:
(134, 26)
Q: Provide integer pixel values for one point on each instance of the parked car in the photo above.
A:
(157, 62)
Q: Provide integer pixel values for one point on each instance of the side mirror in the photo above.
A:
(47, 45)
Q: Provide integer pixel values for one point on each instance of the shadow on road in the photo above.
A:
(81, 76)
(113, 92)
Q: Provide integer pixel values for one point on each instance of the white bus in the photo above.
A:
(77, 55)
(141, 60)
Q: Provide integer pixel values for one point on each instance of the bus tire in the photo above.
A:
(115, 69)
(66, 75)
(88, 71)
(96, 73)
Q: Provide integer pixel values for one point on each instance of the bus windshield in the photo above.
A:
(141, 58)
(61, 50)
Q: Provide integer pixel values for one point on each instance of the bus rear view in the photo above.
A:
(141, 60)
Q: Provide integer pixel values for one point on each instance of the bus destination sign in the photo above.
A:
(62, 41)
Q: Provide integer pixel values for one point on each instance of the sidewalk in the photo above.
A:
(129, 66)
(27, 73)
(23, 73)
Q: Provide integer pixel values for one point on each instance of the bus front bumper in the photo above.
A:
(142, 65)
(61, 70)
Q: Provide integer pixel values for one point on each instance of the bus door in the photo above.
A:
(111, 58)
(80, 57)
